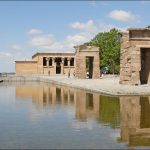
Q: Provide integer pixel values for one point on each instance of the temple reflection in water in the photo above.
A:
(131, 114)
(135, 120)
(87, 105)
(46, 95)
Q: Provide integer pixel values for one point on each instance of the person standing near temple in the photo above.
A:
(74, 73)
(49, 72)
(69, 73)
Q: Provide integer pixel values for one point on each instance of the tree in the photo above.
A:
(109, 45)
(110, 111)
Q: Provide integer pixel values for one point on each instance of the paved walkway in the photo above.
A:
(106, 85)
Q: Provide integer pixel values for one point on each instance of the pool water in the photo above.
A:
(48, 116)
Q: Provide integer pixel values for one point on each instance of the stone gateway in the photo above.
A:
(87, 61)
(135, 56)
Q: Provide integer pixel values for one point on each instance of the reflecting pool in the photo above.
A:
(48, 116)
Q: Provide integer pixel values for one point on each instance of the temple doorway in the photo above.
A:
(145, 66)
(89, 67)
(58, 65)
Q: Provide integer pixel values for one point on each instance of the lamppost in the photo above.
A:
(47, 61)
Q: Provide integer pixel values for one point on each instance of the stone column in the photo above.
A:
(62, 65)
(47, 61)
(69, 61)
(47, 64)
(69, 73)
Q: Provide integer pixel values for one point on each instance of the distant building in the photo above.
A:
(63, 63)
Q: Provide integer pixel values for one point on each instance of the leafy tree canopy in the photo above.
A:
(109, 45)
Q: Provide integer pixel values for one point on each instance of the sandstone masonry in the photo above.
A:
(135, 56)
(63, 63)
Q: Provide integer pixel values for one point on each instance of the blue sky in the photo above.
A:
(28, 27)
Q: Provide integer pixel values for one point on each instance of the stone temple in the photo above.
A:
(135, 56)
(85, 59)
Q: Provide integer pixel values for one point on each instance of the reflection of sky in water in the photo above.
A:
(34, 116)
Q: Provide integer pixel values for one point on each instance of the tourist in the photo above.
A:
(49, 72)
(69, 73)
(74, 73)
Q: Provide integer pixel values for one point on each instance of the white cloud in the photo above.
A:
(121, 15)
(35, 31)
(48, 43)
(87, 30)
(77, 38)
(17, 47)
(88, 26)
(42, 41)
(94, 26)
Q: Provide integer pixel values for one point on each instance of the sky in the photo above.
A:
(28, 27)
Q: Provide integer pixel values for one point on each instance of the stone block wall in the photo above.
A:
(26, 67)
(80, 69)
(132, 42)
(125, 59)
(96, 66)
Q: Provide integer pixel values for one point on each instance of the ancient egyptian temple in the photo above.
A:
(135, 56)
(85, 59)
